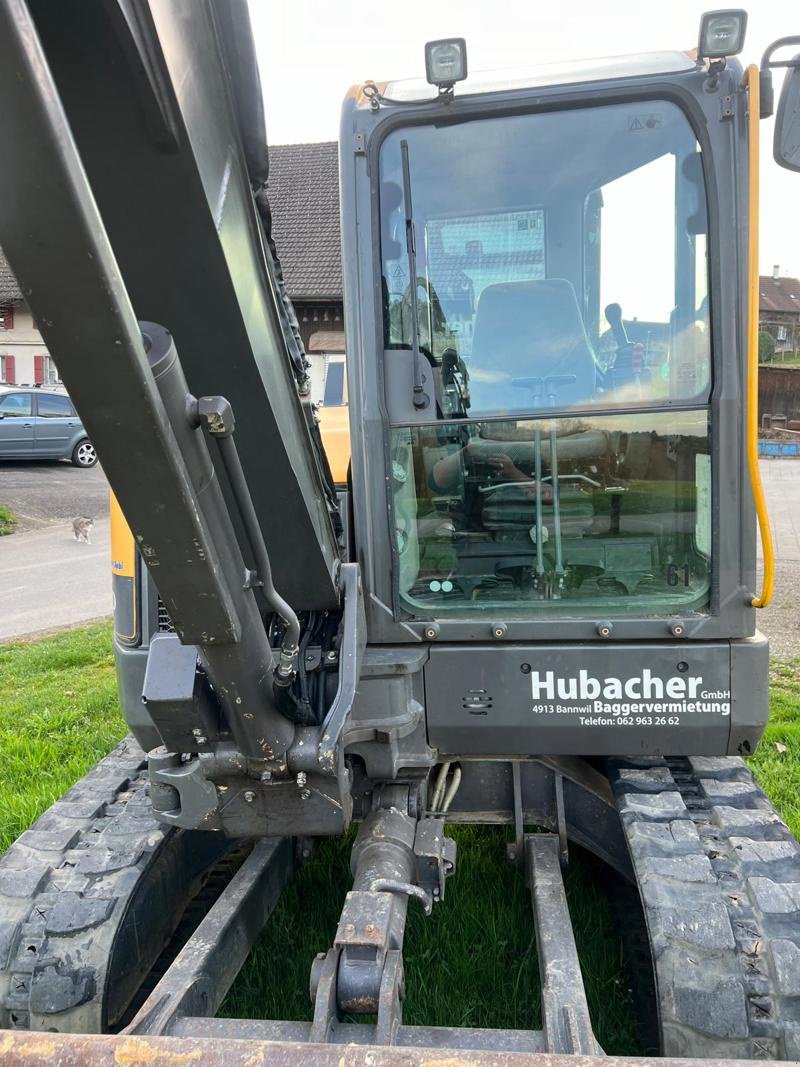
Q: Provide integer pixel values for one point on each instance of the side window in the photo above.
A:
(15, 405)
(52, 406)
(335, 395)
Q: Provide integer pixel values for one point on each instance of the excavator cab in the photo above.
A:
(545, 395)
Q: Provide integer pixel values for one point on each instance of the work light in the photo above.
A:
(446, 62)
(722, 34)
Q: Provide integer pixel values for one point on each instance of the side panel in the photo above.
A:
(654, 699)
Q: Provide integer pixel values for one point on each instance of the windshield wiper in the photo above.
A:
(420, 397)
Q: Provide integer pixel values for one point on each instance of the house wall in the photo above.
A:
(31, 364)
(772, 321)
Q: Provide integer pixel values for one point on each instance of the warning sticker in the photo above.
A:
(650, 121)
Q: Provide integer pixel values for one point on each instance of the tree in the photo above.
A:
(766, 347)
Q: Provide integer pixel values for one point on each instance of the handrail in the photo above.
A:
(754, 115)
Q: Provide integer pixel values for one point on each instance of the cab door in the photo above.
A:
(16, 425)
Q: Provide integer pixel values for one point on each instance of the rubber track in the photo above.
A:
(81, 892)
(719, 877)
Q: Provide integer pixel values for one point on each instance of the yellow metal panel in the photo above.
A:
(334, 424)
(123, 551)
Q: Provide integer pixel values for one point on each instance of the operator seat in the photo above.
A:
(529, 330)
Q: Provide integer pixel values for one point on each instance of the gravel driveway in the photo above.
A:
(49, 493)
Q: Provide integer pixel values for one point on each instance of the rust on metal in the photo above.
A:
(120, 1050)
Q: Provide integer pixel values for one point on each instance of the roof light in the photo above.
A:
(446, 62)
(722, 34)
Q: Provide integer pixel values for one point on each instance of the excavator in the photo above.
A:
(529, 599)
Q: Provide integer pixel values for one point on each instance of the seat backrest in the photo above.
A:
(531, 329)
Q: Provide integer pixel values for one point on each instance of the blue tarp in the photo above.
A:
(779, 448)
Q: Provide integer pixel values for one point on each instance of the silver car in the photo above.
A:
(42, 424)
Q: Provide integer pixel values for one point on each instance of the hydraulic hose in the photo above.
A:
(754, 115)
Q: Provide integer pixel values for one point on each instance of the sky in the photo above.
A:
(311, 51)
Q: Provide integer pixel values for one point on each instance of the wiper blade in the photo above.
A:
(420, 397)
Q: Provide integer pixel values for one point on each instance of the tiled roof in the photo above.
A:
(9, 289)
(304, 199)
(779, 294)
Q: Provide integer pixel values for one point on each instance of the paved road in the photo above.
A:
(48, 580)
(46, 494)
(781, 620)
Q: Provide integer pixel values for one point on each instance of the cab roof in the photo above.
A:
(564, 73)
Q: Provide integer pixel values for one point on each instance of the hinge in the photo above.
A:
(726, 107)
(360, 144)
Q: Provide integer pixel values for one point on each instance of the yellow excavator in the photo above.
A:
(512, 582)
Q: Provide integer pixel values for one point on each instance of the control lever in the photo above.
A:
(629, 358)
(613, 314)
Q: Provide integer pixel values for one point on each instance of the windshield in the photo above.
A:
(562, 308)
(560, 260)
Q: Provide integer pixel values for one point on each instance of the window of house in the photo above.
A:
(335, 384)
(781, 333)
(51, 375)
(6, 318)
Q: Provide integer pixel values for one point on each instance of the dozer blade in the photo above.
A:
(75, 1050)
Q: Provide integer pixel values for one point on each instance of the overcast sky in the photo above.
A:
(310, 51)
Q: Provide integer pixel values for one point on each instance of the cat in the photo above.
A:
(82, 529)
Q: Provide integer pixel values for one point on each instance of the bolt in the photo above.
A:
(249, 796)
(306, 853)
(331, 656)
(301, 779)
(266, 776)
(305, 794)
(525, 668)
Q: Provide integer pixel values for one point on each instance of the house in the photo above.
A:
(779, 311)
(24, 359)
(304, 197)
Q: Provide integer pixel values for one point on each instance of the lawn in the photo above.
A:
(473, 963)
(8, 520)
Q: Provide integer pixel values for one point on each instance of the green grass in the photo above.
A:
(472, 963)
(8, 520)
(58, 715)
(778, 770)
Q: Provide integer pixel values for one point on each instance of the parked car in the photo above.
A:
(42, 424)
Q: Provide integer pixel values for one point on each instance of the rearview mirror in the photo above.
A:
(786, 147)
